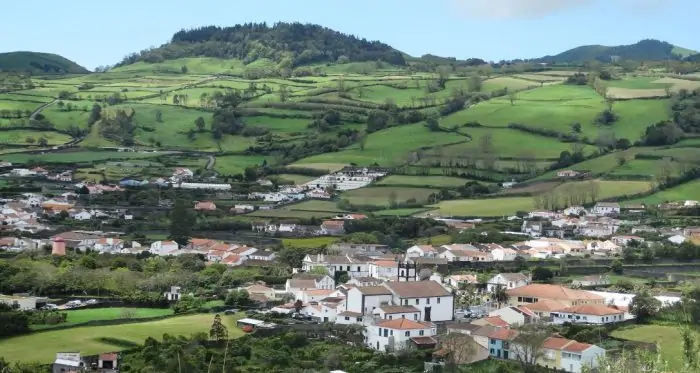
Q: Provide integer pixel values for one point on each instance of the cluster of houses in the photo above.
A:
(328, 227)
(39, 172)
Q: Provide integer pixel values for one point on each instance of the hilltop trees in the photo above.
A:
(289, 44)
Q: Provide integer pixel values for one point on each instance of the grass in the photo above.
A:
(423, 181)
(77, 156)
(611, 188)
(493, 84)
(290, 214)
(328, 166)
(308, 243)
(297, 179)
(686, 191)
(379, 196)
(400, 212)
(667, 338)
(389, 147)
(26, 137)
(236, 164)
(314, 205)
(280, 125)
(83, 316)
(484, 207)
(19, 105)
(43, 346)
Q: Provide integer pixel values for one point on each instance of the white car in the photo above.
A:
(91, 301)
(50, 306)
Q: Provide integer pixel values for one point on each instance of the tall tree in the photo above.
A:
(528, 344)
(218, 331)
(181, 221)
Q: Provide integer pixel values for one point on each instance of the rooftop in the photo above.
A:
(404, 324)
(417, 289)
(552, 292)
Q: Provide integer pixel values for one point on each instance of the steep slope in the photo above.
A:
(288, 44)
(645, 50)
(39, 63)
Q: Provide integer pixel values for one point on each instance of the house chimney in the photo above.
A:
(58, 247)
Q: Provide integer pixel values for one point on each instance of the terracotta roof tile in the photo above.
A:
(497, 321)
(504, 334)
(556, 343)
(404, 324)
(577, 347)
(593, 309)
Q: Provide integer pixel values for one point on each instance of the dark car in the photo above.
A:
(231, 311)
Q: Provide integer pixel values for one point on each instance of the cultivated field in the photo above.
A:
(380, 196)
(82, 316)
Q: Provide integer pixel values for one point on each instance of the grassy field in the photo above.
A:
(236, 164)
(82, 316)
(423, 181)
(290, 214)
(26, 137)
(687, 191)
(78, 156)
(667, 338)
(484, 207)
(297, 179)
(314, 205)
(308, 243)
(380, 196)
(400, 212)
(387, 147)
(43, 346)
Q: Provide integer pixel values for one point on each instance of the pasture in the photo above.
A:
(80, 316)
(380, 196)
(27, 137)
(667, 338)
(236, 164)
(388, 147)
(290, 214)
(308, 243)
(315, 205)
(423, 181)
(79, 156)
(486, 207)
(686, 191)
(43, 346)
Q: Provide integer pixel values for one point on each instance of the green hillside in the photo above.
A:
(289, 45)
(39, 63)
(645, 50)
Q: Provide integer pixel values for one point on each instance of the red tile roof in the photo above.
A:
(504, 334)
(497, 321)
(404, 324)
(577, 347)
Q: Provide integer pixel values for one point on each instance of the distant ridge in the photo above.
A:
(645, 50)
(287, 44)
(39, 63)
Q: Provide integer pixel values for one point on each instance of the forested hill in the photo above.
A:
(39, 63)
(645, 50)
(287, 44)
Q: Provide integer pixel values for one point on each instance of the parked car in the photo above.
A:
(50, 307)
(91, 301)
(231, 311)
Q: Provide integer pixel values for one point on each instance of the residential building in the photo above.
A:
(22, 303)
(593, 280)
(336, 263)
(306, 281)
(392, 270)
(433, 301)
(333, 227)
(495, 321)
(174, 294)
(264, 255)
(164, 248)
(626, 240)
(606, 208)
(598, 314)
(507, 280)
(421, 251)
(514, 316)
(455, 280)
(500, 343)
(503, 253)
(262, 290)
(399, 334)
(205, 206)
(568, 173)
(68, 362)
(397, 312)
(109, 245)
(532, 294)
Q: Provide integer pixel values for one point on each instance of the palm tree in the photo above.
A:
(500, 295)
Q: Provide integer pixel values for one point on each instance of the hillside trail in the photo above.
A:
(38, 110)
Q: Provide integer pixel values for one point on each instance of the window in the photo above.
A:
(415, 316)
(380, 331)
(386, 332)
(348, 268)
(347, 318)
(403, 316)
(407, 334)
(438, 300)
(417, 301)
(427, 300)
(405, 302)
(493, 342)
(359, 319)
(420, 332)
(391, 332)
(358, 269)
(390, 317)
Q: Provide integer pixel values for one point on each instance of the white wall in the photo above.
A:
(509, 315)
(441, 308)
(380, 342)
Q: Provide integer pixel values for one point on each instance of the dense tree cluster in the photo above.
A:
(288, 44)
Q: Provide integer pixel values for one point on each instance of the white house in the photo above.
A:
(108, 245)
(83, 215)
(308, 281)
(605, 208)
(507, 281)
(574, 210)
(164, 248)
(391, 270)
(421, 251)
(336, 263)
(514, 316)
(174, 293)
(577, 355)
(598, 314)
(397, 312)
(398, 334)
(364, 300)
(503, 253)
